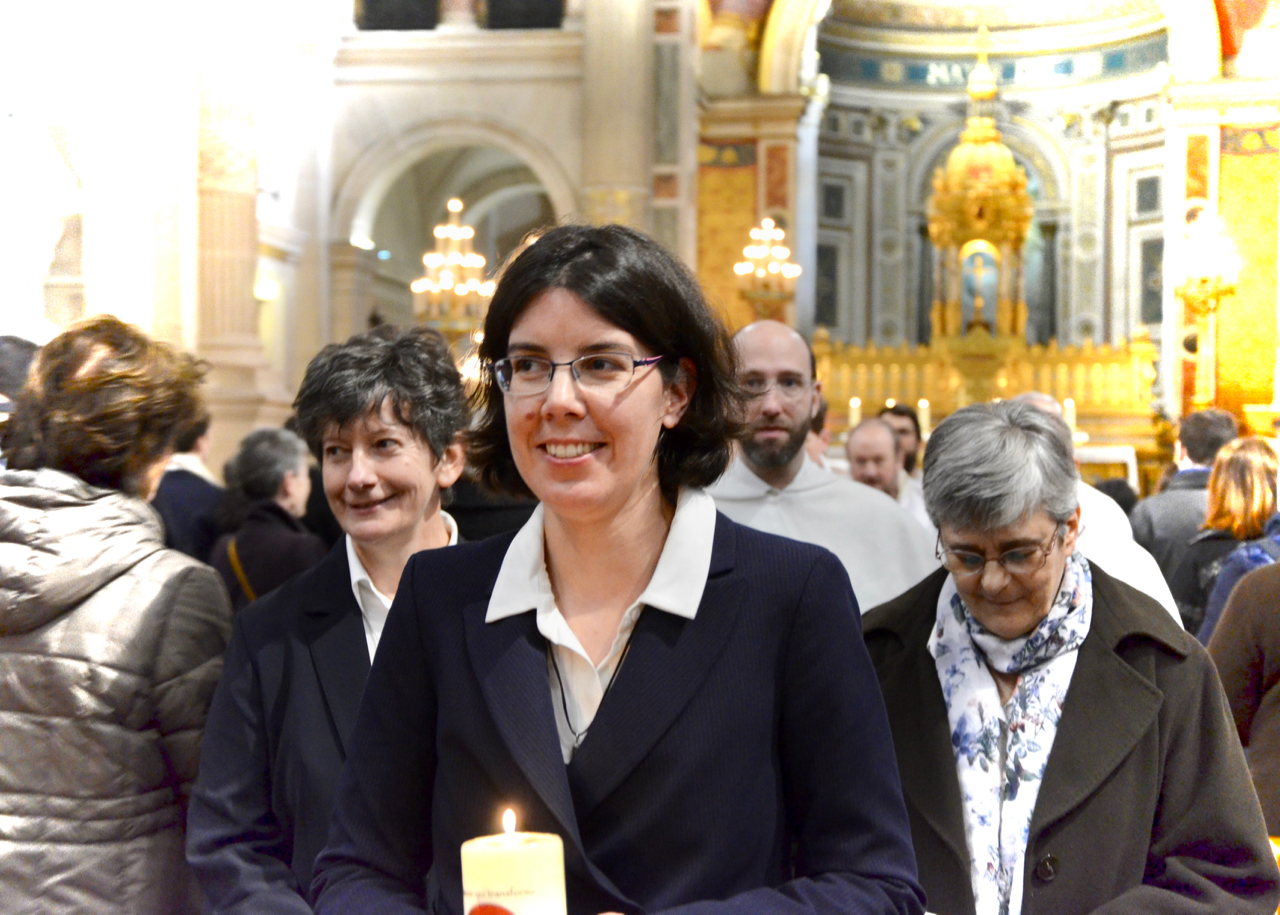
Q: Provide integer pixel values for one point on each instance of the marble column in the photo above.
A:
(240, 390)
(351, 272)
(457, 16)
(618, 100)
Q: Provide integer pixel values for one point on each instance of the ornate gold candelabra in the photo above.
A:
(453, 295)
(767, 276)
(1209, 265)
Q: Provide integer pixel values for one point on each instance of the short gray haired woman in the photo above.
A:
(382, 412)
(1063, 745)
(267, 490)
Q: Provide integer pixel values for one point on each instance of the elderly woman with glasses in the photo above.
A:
(686, 702)
(1064, 747)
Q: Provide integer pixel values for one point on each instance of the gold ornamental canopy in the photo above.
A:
(979, 215)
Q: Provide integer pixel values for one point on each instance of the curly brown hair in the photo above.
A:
(104, 402)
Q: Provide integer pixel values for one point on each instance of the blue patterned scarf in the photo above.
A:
(1001, 750)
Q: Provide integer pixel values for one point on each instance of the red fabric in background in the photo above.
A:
(1235, 17)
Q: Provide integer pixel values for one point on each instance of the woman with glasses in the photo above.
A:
(1064, 746)
(686, 702)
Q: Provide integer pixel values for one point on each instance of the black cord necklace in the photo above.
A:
(578, 737)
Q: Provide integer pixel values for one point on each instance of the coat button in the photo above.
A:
(1047, 868)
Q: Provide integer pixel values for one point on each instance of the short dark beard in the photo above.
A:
(774, 456)
(909, 463)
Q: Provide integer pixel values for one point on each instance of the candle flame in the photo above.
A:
(509, 821)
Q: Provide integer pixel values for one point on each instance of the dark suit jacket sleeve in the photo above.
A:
(379, 848)
(235, 844)
(1206, 794)
(853, 848)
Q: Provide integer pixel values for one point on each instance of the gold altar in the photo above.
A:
(979, 214)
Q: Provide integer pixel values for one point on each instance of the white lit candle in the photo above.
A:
(855, 411)
(922, 414)
(513, 873)
(1069, 413)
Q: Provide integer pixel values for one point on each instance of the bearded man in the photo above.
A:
(773, 487)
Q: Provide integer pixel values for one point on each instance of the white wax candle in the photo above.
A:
(513, 873)
(1069, 413)
(855, 411)
(922, 414)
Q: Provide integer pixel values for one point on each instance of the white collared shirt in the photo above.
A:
(191, 463)
(578, 686)
(374, 605)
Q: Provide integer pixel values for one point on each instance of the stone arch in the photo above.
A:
(784, 42)
(377, 169)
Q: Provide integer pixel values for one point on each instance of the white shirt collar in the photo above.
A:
(191, 463)
(374, 605)
(676, 586)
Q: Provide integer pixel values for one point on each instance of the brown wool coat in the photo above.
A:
(1146, 804)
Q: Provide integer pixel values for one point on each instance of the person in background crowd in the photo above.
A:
(1246, 650)
(1165, 522)
(875, 458)
(818, 440)
(1120, 492)
(684, 701)
(318, 517)
(773, 486)
(382, 412)
(111, 644)
(1105, 535)
(903, 421)
(480, 513)
(1241, 499)
(1249, 555)
(189, 496)
(16, 356)
(269, 485)
(1063, 745)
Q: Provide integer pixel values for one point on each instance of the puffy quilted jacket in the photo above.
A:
(110, 648)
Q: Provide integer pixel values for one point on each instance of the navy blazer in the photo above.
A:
(741, 763)
(188, 504)
(275, 741)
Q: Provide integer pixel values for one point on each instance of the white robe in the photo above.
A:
(1106, 539)
(884, 550)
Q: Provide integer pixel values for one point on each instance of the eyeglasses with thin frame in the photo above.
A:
(601, 373)
(789, 387)
(1023, 560)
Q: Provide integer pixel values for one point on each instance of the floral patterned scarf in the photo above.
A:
(1001, 751)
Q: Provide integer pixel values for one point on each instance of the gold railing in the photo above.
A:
(1110, 385)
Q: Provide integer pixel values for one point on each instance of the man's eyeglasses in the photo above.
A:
(602, 373)
(788, 387)
(1024, 560)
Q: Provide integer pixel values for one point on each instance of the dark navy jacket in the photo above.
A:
(275, 740)
(741, 763)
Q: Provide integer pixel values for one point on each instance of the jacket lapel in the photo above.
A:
(334, 631)
(1095, 734)
(668, 659)
(510, 660)
(922, 740)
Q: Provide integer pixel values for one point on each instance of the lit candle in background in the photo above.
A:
(889, 402)
(922, 414)
(1069, 413)
(516, 873)
(855, 411)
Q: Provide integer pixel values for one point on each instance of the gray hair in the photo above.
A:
(265, 456)
(988, 466)
(410, 368)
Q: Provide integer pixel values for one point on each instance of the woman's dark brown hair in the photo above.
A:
(104, 402)
(635, 285)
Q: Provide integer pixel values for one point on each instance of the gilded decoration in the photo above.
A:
(979, 215)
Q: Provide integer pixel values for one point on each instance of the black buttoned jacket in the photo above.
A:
(1146, 803)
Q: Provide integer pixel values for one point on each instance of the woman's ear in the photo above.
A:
(451, 463)
(679, 392)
